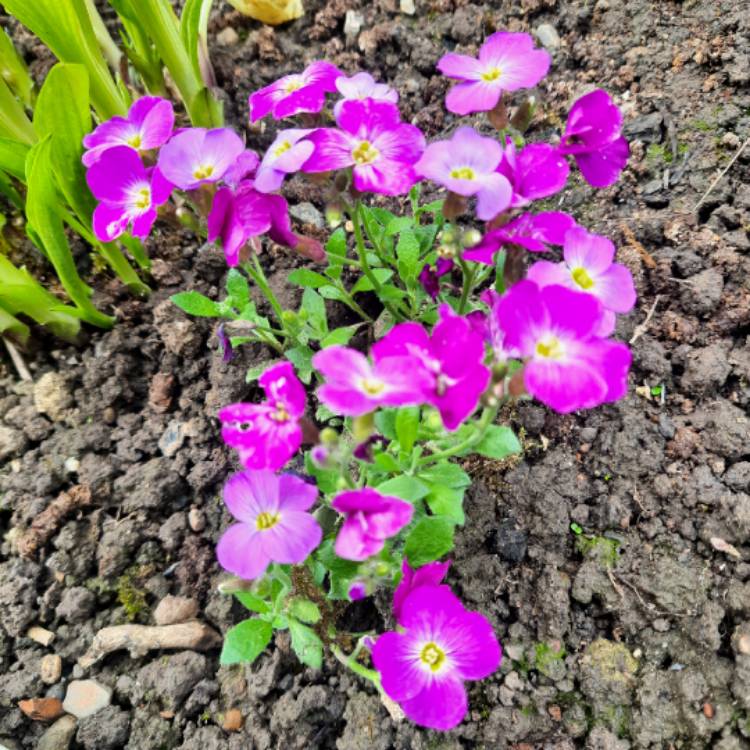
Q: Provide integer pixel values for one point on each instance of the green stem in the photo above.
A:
(256, 273)
(349, 300)
(487, 418)
(468, 273)
(350, 663)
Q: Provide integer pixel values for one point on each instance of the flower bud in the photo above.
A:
(363, 427)
(288, 317)
(357, 591)
(319, 456)
(329, 436)
(471, 237)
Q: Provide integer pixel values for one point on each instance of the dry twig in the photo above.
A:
(643, 327)
(708, 192)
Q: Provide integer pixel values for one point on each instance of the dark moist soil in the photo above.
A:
(612, 559)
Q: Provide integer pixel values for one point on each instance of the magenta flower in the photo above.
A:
(588, 267)
(284, 156)
(127, 192)
(451, 358)
(424, 667)
(531, 231)
(354, 386)
(429, 278)
(466, 165)
(273, 525)
(292, 94)
(197, 156)
(370, 519)
(357, 591)
(238, 215)
(148, 125)
(245, 165)
(431, 574)
(362, 86)
(507, 62)
(267, 435)
(568, 367)
(536, 171)
(372, 139)
(593, 136)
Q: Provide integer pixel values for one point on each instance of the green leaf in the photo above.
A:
(405, 487)
(336, 249)
(341, 572)
(429, 540)
(331, 292)
(431, 208)
(195, 303)
(252, 602)
(14, 71)
(498, 442)
(407, 252)
(194, 33)
(386, 462)
(13, 156)
(339, 335)
(245, 642)
(391, 293)
(14, 123)
(42, 203)
(385, 421)
(306, 644)
(446, 474)
(407, 424)
(238, 288)
(315, 307)
(306, 278)
(305, 610)
(447, 501)
(10, 325)
(398, 224)
(301, 358)
(365, 285)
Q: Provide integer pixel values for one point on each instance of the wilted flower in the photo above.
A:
(370, 519)
(531, 231)
(568, 367)
(507, 62)
(273, 525)
(588, 267)
(431, 574)
(284, 156)
(362, 86)
(452, 358)
(424, 667)
(197, 156)
(593, 136)
(127, 192)
(466, 165)
(149, 125)
(536, 171)
(295, 93)
(372, 139)
(354, 387)
(267, 435)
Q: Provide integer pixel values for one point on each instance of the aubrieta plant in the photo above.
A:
(459, 330)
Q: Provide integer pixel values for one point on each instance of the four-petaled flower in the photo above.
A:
(593, 136)
(285, 155)
(370, 519)
(197, 156)
(452, 359)
(354, 387)
(588, 266)
(149, 125)
(295, 93)
(372, 139)
(442, 644)
(267, 435)
(128, 193)
(466, 165)
(568, 367)
(507, 62)
(273, 525)
(363, 86)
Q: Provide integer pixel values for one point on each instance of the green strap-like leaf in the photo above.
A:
(13, 157)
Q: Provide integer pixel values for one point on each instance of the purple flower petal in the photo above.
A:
(239, 552)
(441, 705)
(292, 539)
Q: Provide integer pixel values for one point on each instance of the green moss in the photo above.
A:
(130, 591)
(703, 125)
(658, 153)
(545, 658)
(601, 548)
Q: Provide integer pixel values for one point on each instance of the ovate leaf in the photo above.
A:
(195, 303)
(429, 540)
(498, 442)
(306, 644)
(245, 642)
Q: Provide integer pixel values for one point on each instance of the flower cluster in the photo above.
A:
(376, 493)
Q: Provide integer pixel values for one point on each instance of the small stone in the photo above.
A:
(12, 442)
(50, 668)
(514, 651)
(547, 35)
(407, 7)
(52, 396)
(306, 213)
(731, 140)
(77, 604)
(708, 710)
(42, 709)
(743, 644)
(86, 697)
(353, 21)
(555, 712)
(40, 635)
(232, 721)
(510, 541)
(174, 609)
(160, 392)
(71, 465)
(172, 439)
(196, 519)
(108, 730)
(228, 37)
(59, 735)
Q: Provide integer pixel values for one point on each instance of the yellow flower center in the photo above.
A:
(582, 278)
(551, 348)
(266, 521)
(463, 173)
(433, 656)
(281, 414)
(492, 74)
(203, 172)
(446, 251)
(293, 85)
(371, 386)
(135, 140)
(142, 199)
(282, 148)
(365, 153)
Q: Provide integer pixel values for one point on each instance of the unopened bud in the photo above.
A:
(329, 436)
(288, 317)
(334, 215)
(363, 427)
(523, 116)
(471, 237)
